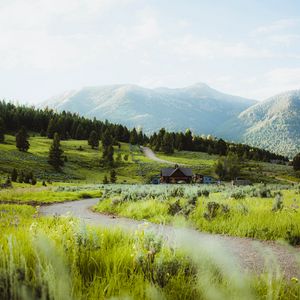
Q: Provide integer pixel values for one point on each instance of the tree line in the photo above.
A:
(167, 142)
(20, 119)
(68, 125)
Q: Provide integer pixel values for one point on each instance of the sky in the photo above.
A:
(242, 47)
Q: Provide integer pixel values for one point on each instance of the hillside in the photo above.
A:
(272, 124)
(83, 164)
(197, 107)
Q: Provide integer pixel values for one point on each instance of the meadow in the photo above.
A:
(268, 212)
(95, 263)
(104, 263)
(82, 164)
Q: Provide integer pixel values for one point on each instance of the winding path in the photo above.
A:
(249, 254)
(151, 155)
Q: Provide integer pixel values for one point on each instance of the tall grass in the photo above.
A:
(61, 258)
(263, 212)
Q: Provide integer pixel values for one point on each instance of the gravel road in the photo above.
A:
(252, 255)
(151, 155)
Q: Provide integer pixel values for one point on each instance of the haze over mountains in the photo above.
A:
(272, 124)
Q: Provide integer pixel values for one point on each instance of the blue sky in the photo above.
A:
(247, 48)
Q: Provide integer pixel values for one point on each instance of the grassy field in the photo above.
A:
(93, 263)
(253, 170)
(82, 165)
(263, 212)
(109, 264)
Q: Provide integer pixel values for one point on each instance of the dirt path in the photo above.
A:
(151, 155)
(250, 254)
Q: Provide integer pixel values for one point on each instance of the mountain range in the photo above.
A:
(273, 124)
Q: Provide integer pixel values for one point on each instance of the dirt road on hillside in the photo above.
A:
(151, 155)
(247, 253)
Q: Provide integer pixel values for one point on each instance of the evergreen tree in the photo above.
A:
(228, 168)
(134, 139)
(21, 140)
(27, 177)
(113, 176)
(188, 140)
(51, 129)
(14, 175)
(43, 133)
(2, 131)
(55, 153)
(108, 155)
(79, 135)
(167, 145)
(108, 150)
(93, 140)
(21, 177)
(296, 162)
(159, 139)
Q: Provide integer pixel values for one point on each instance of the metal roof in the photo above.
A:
(167, 172)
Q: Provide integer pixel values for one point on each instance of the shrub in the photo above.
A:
(174, 208)
(278, 203)
(192, 200)
(85, 196)
(238, 195)
(205, 193)
(212, 210)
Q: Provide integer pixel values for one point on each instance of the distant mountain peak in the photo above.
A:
(200, 85)
(273, 124)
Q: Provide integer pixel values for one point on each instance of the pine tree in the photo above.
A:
(134, 137)
(21, 140)
(21, 177)
(55, 153)
(14, 175)
(51, 128)
(113, 176)
(296, 162)
(2, 131)
(43, 133)
(109, 155)
(108, 150)
(167, 145)
(79, 135)
(93, 140)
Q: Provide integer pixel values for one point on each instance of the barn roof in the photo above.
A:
(166, 172)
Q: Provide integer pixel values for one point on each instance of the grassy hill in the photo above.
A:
(83, 163)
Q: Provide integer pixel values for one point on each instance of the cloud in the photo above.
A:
(289, 78)
(194, 47)
(276, 26)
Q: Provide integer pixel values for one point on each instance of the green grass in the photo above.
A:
(36, 196)
(240, 212)
(82, 166)
(61, 258)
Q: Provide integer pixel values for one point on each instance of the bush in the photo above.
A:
(238, 195)
(212, 210)
(174, 208)
(278, 203)
(192, 200)
(205, 193)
